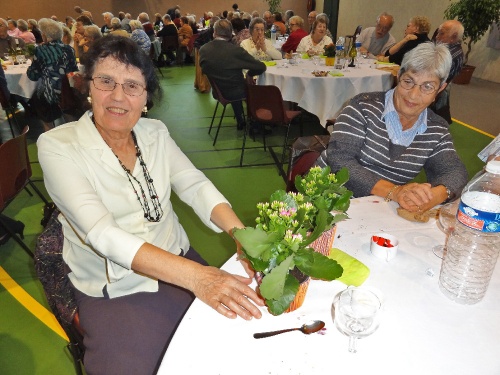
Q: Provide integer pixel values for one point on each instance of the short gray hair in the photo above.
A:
(22, 25)
(51, 29)
(93, 31)
(136, 24)
(428, 58)
(116, 23)
(223, 29)
(255, 21)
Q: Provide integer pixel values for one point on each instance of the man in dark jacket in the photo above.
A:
(223, 63)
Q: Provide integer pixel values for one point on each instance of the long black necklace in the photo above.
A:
(149, 182)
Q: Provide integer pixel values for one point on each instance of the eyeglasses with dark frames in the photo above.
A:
(426, 88)
(108, 84)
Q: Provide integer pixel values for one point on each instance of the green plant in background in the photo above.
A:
(476, 16)
(30, 49)
(278, 246)
(274, 5)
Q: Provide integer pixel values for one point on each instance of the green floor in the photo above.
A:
(28, 346)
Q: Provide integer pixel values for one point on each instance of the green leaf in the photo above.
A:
(274, 282)
(279, 305)
(255, 241)
(342, 176)
(317, 265)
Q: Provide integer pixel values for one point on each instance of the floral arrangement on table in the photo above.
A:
(329, 50)
(278, 246)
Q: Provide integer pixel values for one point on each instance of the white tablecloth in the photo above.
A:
(18, 82)
(324, 96)
(422, 332)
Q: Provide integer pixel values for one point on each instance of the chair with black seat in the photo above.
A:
(265, 105)
(53, 274)
(15, 174)
(171, 43)
(10, 111)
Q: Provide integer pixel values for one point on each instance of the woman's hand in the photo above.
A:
(230, 295)
(409, 37)
(414, 197)
(260, 44)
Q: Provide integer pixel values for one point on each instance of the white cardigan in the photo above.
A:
(103, 222)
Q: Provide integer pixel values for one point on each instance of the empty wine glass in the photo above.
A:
(315, 60)
(356, 313)
(21, 59)
(446, 222)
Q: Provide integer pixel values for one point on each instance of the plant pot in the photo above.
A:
(323, 244)
(463, 78)
(329, 61)
(301, 293)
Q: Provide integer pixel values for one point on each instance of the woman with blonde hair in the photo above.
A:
(316, 41)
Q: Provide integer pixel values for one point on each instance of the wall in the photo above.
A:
(352, 13)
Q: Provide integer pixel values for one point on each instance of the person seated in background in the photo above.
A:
(168, 29)
(185, 34)
(257, 45)
(450, 33)
(268, 19)
(240, 31)
(25, 35)
(90, 35)
(192, 24)
(286, 19)
(147, 26)
(311, 17)
(139, 36)
(223, 62)
(297, 32)
(12, 28)
(112, 174)
(315, 42)
(106, 28)
(7, 42)
(416, 32)
(177, 19)
(81, 22)
(67, 37)
(51, 60)
(246, 17)
(158, 21)
(33, 27)
(125, 22)
(385, 139)
(117, 29)
(376, 40)
(278, 22)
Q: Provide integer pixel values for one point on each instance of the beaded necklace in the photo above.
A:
(158, 211)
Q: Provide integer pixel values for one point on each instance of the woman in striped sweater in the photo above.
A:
(385, 139)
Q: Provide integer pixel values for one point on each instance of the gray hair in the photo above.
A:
(51, 29)
(108, 14)
(385, 14)
(167, 17)
(298, 20)
(33, 22)
(428, 58)
(255, 21)
(223, 29)
(116, 23)
(324, 17)
(22, 25)
(143, 17)
(93, 31)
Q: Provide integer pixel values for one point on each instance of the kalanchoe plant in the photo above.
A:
(329, 50)
(286, 226)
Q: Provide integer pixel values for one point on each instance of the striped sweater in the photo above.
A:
(361, 143)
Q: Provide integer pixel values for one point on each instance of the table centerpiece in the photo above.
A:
(278, 247)
(330, 54)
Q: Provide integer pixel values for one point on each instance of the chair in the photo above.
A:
(303, 154)
(53, 274)
(155, 52)
(10, 111)
(265, 105)
(217, 95)
(15, 176)
(171, 43)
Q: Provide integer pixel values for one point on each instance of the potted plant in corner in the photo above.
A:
(278, 248)
(476, 16)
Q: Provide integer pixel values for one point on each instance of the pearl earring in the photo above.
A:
(145, 109)
(89, 99)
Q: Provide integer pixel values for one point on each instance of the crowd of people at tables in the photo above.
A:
(119, 243)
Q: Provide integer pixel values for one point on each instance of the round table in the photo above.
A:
(324, 96)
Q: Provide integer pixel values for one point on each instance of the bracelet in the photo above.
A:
(389, 195)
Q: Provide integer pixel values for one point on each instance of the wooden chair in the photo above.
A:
(15, 176)
(53, 274)
(265, 105)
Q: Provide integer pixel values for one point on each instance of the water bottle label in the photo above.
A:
(477, 219)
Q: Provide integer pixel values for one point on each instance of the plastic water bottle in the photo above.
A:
(358, 53)
(473, 247)
(339, 53)
(273, 34)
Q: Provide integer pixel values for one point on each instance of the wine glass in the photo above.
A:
(21, 59)
(356, 313)
(315, 60)
(446, 222)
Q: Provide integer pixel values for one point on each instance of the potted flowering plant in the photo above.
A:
(330, 54)
(278, 247)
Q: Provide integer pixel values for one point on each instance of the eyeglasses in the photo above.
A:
(258, 29)
(293, 24)
(107, 84)
(426, 88)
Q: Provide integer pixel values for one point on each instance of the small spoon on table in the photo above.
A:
(307, 329)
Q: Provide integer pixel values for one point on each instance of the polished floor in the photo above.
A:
(28, 346)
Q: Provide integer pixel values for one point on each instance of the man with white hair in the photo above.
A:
(106, 28)
(377, 40)
(143, 18)
(269, 19)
